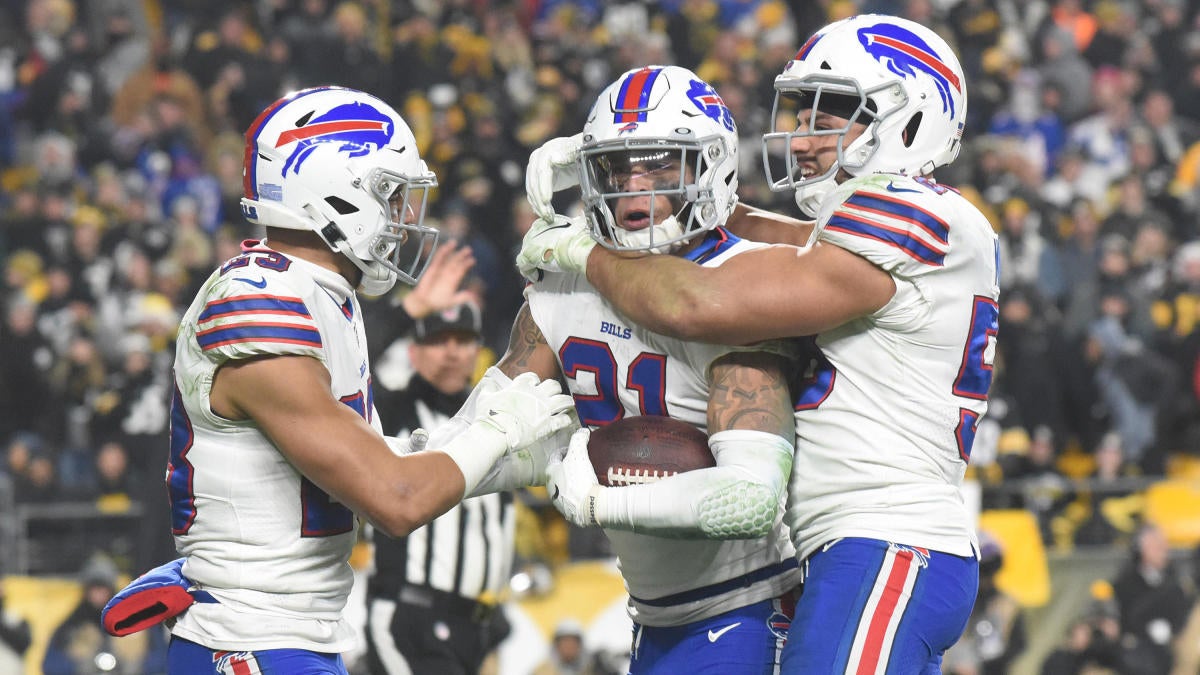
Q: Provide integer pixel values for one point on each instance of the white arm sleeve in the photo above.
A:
(474, 463)
(739, 498)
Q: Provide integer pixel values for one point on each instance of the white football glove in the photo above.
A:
(525, 466)
(509, 419)
(560, 244)
(571, 482)
(552, 167)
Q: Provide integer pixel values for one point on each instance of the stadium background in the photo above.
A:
(120, 161)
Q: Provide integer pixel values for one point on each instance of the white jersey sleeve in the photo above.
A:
(885, 219)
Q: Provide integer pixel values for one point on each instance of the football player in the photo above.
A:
(659, 162)
(275, 444)
(899, 290)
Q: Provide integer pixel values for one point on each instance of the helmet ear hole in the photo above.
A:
(910, 129)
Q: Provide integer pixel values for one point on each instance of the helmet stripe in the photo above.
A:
(250, 159)
(634, 95)
(806, 48)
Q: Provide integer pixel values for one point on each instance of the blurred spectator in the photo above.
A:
(995, 633)
(79, 644)
(567, 653)
(1043, 490)
(1061, 66)
(39, 482)
(1187, 645)
(1021, 244)
(15, 638)
(1031, 117)
(1106, 510)
(1092, 642)
(1153, 603)
(1135, 383)
(1032, 340)
(28, 358)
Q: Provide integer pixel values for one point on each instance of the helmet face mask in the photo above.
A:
(658, 139)
(343, 164)
(894, 76)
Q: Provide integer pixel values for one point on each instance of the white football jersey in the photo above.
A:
(266, 542)
(617, 369)
(886, 417)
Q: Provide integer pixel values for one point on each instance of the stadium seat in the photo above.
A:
(1174, 505)
(1025, 574)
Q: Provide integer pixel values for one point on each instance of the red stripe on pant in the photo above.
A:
(882, 617)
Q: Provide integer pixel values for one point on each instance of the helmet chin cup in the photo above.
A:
(664, 237)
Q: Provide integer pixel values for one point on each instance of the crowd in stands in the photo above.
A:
(121, 148)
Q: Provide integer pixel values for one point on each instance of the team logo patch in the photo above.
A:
(236, 663)
(359, 128)
(779, 623)
(710, 103)
(906, 54)
(628, 128)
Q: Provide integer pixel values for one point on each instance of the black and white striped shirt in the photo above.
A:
(468, 550)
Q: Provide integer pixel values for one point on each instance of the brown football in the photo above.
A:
(636, 450)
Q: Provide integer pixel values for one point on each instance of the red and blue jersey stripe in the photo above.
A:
(893, 222)
(255, 309)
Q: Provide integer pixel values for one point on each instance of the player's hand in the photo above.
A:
(552, 167)
(560, 244)
(571, 482)
(440, 287)
(526, 411)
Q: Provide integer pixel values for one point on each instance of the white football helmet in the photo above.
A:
(674, 126)
(343, 164)
(893, 75)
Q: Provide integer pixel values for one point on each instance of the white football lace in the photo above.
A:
(618, 477)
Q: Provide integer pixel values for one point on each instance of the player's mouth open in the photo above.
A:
(636, 219)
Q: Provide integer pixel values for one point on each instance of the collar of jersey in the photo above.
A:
(715, 241)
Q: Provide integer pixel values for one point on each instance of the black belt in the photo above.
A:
(432, 598)
(744, 581)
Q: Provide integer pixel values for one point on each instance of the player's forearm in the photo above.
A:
(427, 484)
(669, 295)
(755, 224)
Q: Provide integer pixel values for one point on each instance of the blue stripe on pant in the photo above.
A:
(869, 607)
(744, 641)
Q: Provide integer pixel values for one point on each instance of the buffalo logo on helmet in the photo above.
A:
(904, 53)
(710, 103)
(358, 127)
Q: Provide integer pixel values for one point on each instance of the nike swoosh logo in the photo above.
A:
(261, 283)
(891, 187)
(714, 635)
(552, 227)
(555, 496)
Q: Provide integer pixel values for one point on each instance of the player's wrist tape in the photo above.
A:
(475, 451)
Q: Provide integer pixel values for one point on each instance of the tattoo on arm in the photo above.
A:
(527, 349)
(748, 390)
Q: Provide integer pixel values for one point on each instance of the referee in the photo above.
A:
(432, 596)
